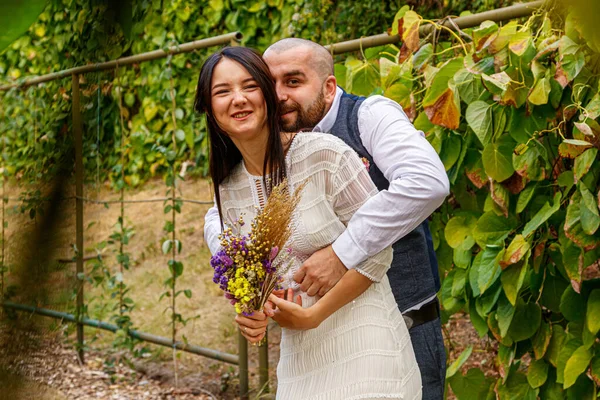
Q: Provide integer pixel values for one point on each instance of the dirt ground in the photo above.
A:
(52, 362)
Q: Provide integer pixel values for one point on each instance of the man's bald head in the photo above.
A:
(320, 61)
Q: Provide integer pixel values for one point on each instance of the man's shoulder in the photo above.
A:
(378, 100)
(310, 144)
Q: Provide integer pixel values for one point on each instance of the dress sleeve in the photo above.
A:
(212, 229)
(352, 187)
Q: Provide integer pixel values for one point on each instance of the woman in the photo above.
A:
(352, 343)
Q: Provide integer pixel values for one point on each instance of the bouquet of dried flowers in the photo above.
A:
(249, 267)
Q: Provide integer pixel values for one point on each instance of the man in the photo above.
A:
(405, 168)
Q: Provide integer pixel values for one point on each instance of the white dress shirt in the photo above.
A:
(418, 182)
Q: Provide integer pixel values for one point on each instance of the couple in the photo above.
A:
(352, 343)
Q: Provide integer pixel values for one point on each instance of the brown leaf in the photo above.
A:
(404, 53)
(570, 150)
(411, 38)
(538, 255)
(497, 191)
(477, 177)
(515, 184)
(444, 111)
(560, 75)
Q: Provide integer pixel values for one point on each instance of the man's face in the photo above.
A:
(299, 88)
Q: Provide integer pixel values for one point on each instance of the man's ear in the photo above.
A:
(329, 88)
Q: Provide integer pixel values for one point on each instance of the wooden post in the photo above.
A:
(243, 365)
(78, 134)
(263, 365)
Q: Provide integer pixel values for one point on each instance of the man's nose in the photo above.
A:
(282, 95)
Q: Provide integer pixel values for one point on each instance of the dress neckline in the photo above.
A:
(287, 161)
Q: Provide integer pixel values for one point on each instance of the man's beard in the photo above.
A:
(306, 119)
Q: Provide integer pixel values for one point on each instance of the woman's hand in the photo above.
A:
(253, 327)
(291, 315)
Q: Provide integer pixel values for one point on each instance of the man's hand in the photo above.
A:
(320, 272)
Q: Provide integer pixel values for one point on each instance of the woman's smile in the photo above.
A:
(241, 115)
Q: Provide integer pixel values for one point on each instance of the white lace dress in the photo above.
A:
(362, 351)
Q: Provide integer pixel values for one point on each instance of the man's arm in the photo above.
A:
(418, 186)
(212, 229)
(418, 182)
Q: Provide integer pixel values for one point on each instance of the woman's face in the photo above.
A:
(237, 101)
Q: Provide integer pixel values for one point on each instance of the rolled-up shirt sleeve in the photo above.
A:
(418, 182)
(353, 187)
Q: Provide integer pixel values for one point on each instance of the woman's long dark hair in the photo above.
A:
(224, 155)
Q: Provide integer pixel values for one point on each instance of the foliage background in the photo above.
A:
(511, 108)
(35, 123)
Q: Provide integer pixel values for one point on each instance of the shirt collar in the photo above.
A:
(327, 122)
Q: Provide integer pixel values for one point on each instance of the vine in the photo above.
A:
(515, 120)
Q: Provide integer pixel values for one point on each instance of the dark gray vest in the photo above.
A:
(414, 273)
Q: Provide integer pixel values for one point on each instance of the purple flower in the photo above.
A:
(226, 260)
(274, 252)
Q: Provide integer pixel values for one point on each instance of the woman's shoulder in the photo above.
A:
(317, 144)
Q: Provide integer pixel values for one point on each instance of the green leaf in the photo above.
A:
(340, 72)
(526, 321)
(487, 265)
(566, 179)
(541, 340)
(492, 229)
(472, 386)
(458, 283)
(529, 164)
(450, 150)
(524, 198)
(362, 77)
(556, 343)
(584, 162)
(540, 92)
(16, 17)
(180, 135)
(516, 250)
(479, 116)
(496, 83)
(187, 293)
(572, 305)
(553, 289)
(504, 315)
(576, 365)
(462, 258)
(564, 355)
(458, 363)
(568, 67)
(497, 159)
(593, 312)
(590, 220)
(537, 373)
(469, 86)
(422, 56)
(583, 389)
(167, 246)
(516, 388)
(478, 322)
(512, 280)
(542, 215)
(458, 231)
